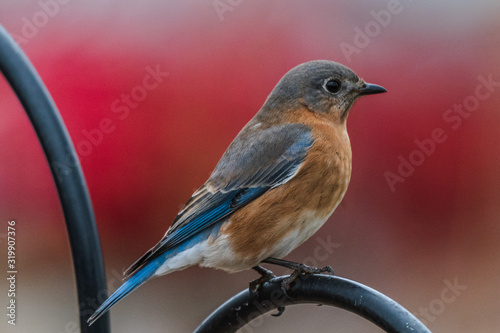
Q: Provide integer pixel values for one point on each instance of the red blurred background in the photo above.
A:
(411, 240)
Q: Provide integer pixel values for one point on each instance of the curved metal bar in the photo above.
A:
(316, 289)
(68, 176)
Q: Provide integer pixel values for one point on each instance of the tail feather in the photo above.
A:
(138, 264)
(130, 285)
(146, 266)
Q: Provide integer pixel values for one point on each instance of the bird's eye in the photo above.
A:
(332, 86)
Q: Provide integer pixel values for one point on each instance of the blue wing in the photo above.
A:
(254, 163)
(257, 161)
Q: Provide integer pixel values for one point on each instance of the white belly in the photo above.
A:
(310, 223)
(213, 252)
(216, 252)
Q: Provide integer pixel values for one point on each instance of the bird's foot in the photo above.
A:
(303, 270)
(254, 285)
(266, 275)
(281, 309)
(298, 269)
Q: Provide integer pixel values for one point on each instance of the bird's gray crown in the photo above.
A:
(305, 84)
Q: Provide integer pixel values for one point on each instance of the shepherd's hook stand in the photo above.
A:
(67, 173)
(86, 250)
(366, 302)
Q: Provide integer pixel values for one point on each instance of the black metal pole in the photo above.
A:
(242, 308)
(67, 172)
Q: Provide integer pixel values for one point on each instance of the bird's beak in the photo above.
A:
(370, 89)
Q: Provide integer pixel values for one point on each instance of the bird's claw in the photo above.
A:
(254, 286)
(266, 275)
(281, 309)
(299, 269)
(326, 269)
(303, 270)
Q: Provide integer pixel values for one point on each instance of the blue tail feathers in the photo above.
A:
(149, 268)
(130, 285)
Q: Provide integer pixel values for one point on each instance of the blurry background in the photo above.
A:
(425, 235)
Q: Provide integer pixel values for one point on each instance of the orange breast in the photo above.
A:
(318, 187)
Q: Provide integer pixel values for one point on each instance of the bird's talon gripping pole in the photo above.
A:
(266, 275)
(281, 309)
(285, 284)
(298, 267)
(327, 269)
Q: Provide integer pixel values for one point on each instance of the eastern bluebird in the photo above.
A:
(276, 185)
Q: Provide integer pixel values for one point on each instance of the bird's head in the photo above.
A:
(324, 87)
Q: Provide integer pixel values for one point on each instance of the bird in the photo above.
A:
(276, 184)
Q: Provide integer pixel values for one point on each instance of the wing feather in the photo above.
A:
(256, 162)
